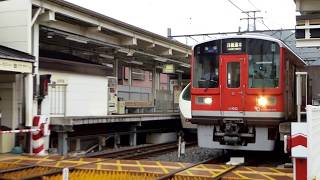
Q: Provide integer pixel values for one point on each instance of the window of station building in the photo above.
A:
(264, 63)
(138, 74)
(206, 71)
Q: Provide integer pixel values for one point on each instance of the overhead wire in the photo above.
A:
(193, 39)
(262, 22)
(253, 5)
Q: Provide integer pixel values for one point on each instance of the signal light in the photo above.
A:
(44, 82)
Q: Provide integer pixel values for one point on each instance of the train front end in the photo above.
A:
(237, 93)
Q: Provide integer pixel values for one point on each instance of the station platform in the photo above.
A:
(50, 167)
(70, 120)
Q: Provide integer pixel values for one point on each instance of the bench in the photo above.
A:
(138, 106)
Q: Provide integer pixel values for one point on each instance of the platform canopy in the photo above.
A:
(70, 29)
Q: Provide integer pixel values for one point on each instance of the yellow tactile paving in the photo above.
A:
(152, 167)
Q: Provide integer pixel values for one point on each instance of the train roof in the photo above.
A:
(255, 36)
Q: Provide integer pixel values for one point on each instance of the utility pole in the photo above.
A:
(169, 33)
(251, 16)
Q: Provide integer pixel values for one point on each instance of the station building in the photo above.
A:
(89, 73)
(307, 37)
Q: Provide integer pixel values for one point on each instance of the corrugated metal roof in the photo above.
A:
(116, 22)
(8, 53)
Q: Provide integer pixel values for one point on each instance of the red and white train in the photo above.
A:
(242, 87)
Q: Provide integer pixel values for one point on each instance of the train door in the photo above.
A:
(233, 85)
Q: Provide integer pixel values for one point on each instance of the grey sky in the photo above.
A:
(192, 17)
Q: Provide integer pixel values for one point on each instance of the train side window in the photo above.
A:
(187, 94)
(206, 66)
(264, 64)
(233, 75)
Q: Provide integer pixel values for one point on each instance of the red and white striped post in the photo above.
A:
(299, 152)
(304, 144)
(39, 131)
(38, 137)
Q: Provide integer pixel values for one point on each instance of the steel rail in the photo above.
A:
(113, 154)
(173, 173)
(22, 167)
(219, 176)
(153, 150)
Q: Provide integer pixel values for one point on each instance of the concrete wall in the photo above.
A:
(314, 74)
(15, 31)
(86, 95)
(11, 100)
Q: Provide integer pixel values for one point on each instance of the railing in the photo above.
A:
(164, 101)
(57, 96)
(134, 93)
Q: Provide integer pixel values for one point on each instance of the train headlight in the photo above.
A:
(207, 100)
(262, 101)
(204, 100)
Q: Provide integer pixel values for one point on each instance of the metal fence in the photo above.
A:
(164, 101)
(134, 93)
(57, 96)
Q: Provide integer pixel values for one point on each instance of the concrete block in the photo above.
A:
(6, 142)
(157, 138)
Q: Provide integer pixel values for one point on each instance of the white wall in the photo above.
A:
(11, 100)
(15, 31)
(86, 95)
(313, 143)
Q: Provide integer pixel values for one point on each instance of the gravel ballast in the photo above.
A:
(193, 154)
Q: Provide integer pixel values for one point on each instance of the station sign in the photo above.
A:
(15, 66)
(168, 69)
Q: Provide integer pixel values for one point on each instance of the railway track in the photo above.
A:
(140, 152)
(37, 172)
(270, 159)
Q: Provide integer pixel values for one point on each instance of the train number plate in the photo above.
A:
(233, 108)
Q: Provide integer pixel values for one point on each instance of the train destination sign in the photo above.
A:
(234, 46)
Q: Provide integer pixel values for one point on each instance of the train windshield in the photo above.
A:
(264, 63)
(206, 71)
